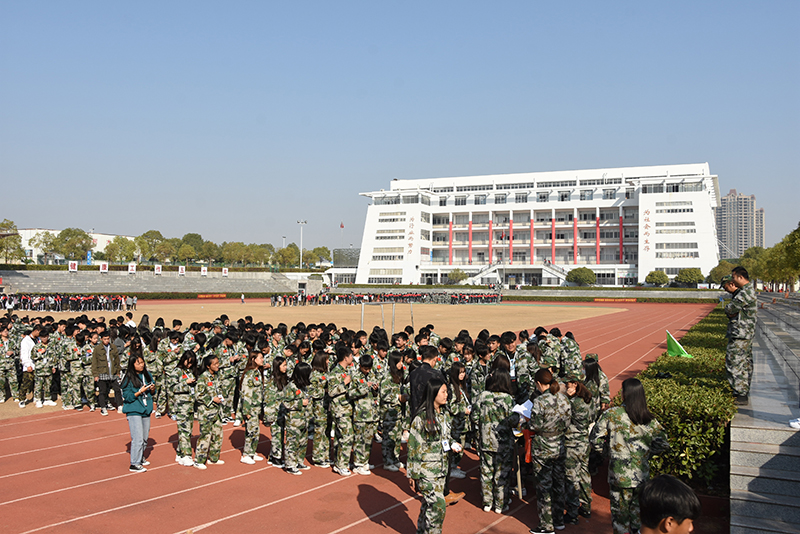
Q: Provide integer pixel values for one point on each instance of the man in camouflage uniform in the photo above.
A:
(46, 362)
(71, 374)
(341, 410)
(86, 376)
(229, 361)
(8, 372)
(169, 355)
(493, 417)
(552, 352)
(573, 363)
(363, 394)
(741, 312)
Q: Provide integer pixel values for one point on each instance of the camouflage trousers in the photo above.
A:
(431, 513)
(458, 426)
(209, 444)
(392, 434)
(321, 448)
(495, 477)
(275, 420)
(183, 409)
(296, 437)
(227, 388)
(44, 380)
(71, 388)
(363, 433)
(578, 485)
(550, 498)
(9, 376)
(343, 432)
(87, 381)
(252, 433)
(26, 385)
(739, 365)
(624, 509)
(160, 397)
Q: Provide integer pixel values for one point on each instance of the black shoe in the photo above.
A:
(571, 520)
(137, 469)
(585, 513)
(540, 530)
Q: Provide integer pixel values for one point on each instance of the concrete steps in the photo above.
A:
(765, 451)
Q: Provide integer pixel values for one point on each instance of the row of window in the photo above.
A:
(387, 257)
(676, 210)
(667, 246)
(383, 280)
(673, 255)
(677, 231)
(675, 223)
(688, 187)
(522, 198)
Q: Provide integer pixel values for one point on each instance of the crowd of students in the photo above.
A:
(57, 302)
(342, 390)
(326, 298)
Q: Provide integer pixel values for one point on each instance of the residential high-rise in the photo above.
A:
(739, 224)
(532, 228)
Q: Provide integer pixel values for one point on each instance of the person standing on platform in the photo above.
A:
(741, 312)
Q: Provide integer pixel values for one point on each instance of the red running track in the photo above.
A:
(67, 472)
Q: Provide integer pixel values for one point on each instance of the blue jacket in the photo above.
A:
(133, 405)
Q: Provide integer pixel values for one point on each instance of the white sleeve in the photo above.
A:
(25, 352)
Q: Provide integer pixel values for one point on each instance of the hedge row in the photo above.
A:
(691, 398)
(147, 268)
(677, 300)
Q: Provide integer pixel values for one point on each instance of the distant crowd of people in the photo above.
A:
(397, 297)
(57, 302)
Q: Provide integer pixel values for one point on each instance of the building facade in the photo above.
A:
(532, 228)
(740, 225)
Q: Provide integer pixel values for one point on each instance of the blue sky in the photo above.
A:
(236, 119)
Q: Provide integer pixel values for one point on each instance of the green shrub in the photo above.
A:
(583, 276)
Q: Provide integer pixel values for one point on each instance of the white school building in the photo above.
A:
(532, 228)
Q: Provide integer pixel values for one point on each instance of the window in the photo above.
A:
(385, 237)
(480, 200)
(525, 185)
(390, 231)
(384, 201)
(609, 234)
(464, 188)
(426, 217)
(587, 194)
(391, 219)
(521, 198)
(563, 196)
(500, 199)
(588, 235)
(387, 257)
(677, 203)
(676, 231)
(425, 235)
(676, 223)
(386, 250)
(411, 199)
(543, 197)
(652, 188)
(562, 183)
(662, 246)
(443, 201)
(586, 216)
(631, 233)
(677, 255)
(608, 215)
(461, 201)
(441, 219)
(609, 194)
(673, 188)
(629, 192)
(442, 189)
(383, 280)
(676, 210)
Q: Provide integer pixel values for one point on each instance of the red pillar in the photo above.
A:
(469, 253)
(553, 240)
(621, 256)
(451, 241)
(575, 241)
(491, 238)
(511, 241)
(532, 235)
(597, 240)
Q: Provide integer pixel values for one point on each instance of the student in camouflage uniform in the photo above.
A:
(428, 451)
(318, 391)
(341, 410)
(252, 395)
(169, 355)
(45, 358)
(597, 383)
(479, 371)
(273, 418)
(578, 482)
(296, 401)
(741, 312)
(552, 351)
(184, 379)
(71, 377)
(209, 413)
(153, 363)
(229, 358)
(573, 363)
(8, 371)
(459, 408)
(550, 418)
(494, 419)
(392, 400)
(86, 376)
(632, 436)
(363, 393)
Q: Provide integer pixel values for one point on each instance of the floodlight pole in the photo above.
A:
(301, 223)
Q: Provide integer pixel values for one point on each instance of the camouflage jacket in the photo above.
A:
(70, 351)
(87, 355)
(152, 362)
(390, 392)
(337, 391)
(630, 446)
(741, 311)
(601, 393)
(6, 361)
(550, 418)
(426, 455)
(365, 402)
(581, 418)
(169, 356)
(207, 388)
(319, 386)
(292, 398)
(227, 368)
(552, 352)
(457, 407)
(45, 358)
(477, 379)
(272, 396)
(494, 419)
(572, 364)
(178, 378)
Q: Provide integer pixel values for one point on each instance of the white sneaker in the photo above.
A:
(257, 458)
(487, 508)
(795, 424)
(404, 438)
(362, 470)
(2, 400)
(237, 423)
(119, 409)
(218, 462)
(200, 466)
(50, 403)
(38, 404)
(248, 460)
(378, 438)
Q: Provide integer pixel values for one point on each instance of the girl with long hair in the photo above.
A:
(252, 396)
(209, 413)
(459, 406)
(550, 417)
(296, 401)
(391, 405)
(317, 390)
(631, 435)
(137, 398)
(184, 379)
(273, 395)
(597, 382)
(428, 455)
(578, 482)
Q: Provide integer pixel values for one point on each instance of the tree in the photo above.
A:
(323, 253)
(186, 252)
(11, 246)
(456, 276)
(722, 269)
(73, 243)
(287, 256)
(753, 260)
(148, 242)
(310, 258)
(210, 252)
(163, 251)
(690, 276)
(121, 249)
(46, 241)
(583, 276)
(195, 240)
(259, 254)
(657, 278)
(234, 252)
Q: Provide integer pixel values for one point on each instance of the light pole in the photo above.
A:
(301, 223)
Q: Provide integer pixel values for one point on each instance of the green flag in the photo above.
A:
(674, 348)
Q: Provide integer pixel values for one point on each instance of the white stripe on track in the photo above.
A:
(105, 421)
(503, 518)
